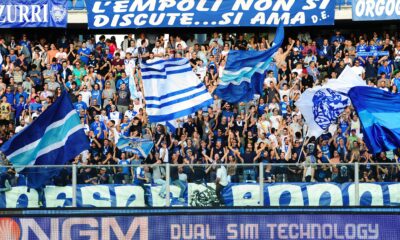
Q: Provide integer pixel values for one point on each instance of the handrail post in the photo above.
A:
(357, 184)
(74, 181)
(261, 183)
(167, 189)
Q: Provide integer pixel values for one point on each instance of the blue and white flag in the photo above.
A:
(244, 72)
(322, 105)
(139, 146)
(379, 113)
(132, 87)
(54, 138)
(172, 90)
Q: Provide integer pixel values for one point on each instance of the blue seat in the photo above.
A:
(70, 5)
(79, 5)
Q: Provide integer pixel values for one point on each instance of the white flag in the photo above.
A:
(322, 105)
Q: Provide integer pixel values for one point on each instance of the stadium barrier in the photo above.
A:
(202, 194)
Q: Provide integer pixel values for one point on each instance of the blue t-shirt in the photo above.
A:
(24, 94)
(122, 80)
(80, 105)
(35, 107)
(98, 127)
(86, 51)
(10, 97)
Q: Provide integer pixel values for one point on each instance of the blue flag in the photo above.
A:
(244, 72)
(172, 90)
(139, 146)
(379, 113)
(54, 138)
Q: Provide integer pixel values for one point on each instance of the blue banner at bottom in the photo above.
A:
(300, 226)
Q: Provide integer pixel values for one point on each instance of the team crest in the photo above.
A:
(328, 105)
(58, 13)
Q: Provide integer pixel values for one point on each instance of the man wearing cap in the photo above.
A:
(295, 58)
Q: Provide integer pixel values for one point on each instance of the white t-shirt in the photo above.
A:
(115, 116)
(159, 50)
(358, 70)
(166, 158)
(86, 96)
(222, 175)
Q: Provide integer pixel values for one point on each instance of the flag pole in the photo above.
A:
(302, 147)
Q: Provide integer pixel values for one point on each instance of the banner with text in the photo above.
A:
(106, 14)
(205, 226)
(201, 195)
(373, 10)
(33, 13)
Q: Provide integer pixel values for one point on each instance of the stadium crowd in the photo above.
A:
(269, 129)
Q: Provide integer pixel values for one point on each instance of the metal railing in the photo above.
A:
(259, 170)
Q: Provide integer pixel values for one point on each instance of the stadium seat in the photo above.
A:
(70, 5)
(79, 5)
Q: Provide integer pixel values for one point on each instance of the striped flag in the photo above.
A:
(140, 146)
(244, 72)
(54, 138)
(172, 90)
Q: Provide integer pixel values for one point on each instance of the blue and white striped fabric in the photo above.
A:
(140, 146)
(54, 138)
(243, 75)
(172, 90)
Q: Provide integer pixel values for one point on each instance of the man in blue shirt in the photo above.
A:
(80, 104)
(20, 93)
(385, 68)
(35, 106)
(98, 128)
(396, 80)
(84, 53)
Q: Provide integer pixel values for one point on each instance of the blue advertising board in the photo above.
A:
(205, 226)
(33, 13)
(201, 195)
(106, 14)
(373, 10)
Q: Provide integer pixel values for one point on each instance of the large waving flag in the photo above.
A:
(322, 105)
(54, 138)
(140, 146)
(243, 75)
(379, 113)
(172, 90)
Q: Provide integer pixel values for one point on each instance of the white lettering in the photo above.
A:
(138, 223)
(262, 5)
(185, 5)
(164, 4)
(36, 13)
(100, 20)
(242, 4)
(216, 5)
(187, 18)
(175, 231)
(232, 232)
(97, 7)
(311, 5)
(148, 5)
(69, 222)
(153, 20)
(120, 6)
(286, 6)
(201, 6)
(140, 20)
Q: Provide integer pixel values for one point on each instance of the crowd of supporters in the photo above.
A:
(269, 129)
